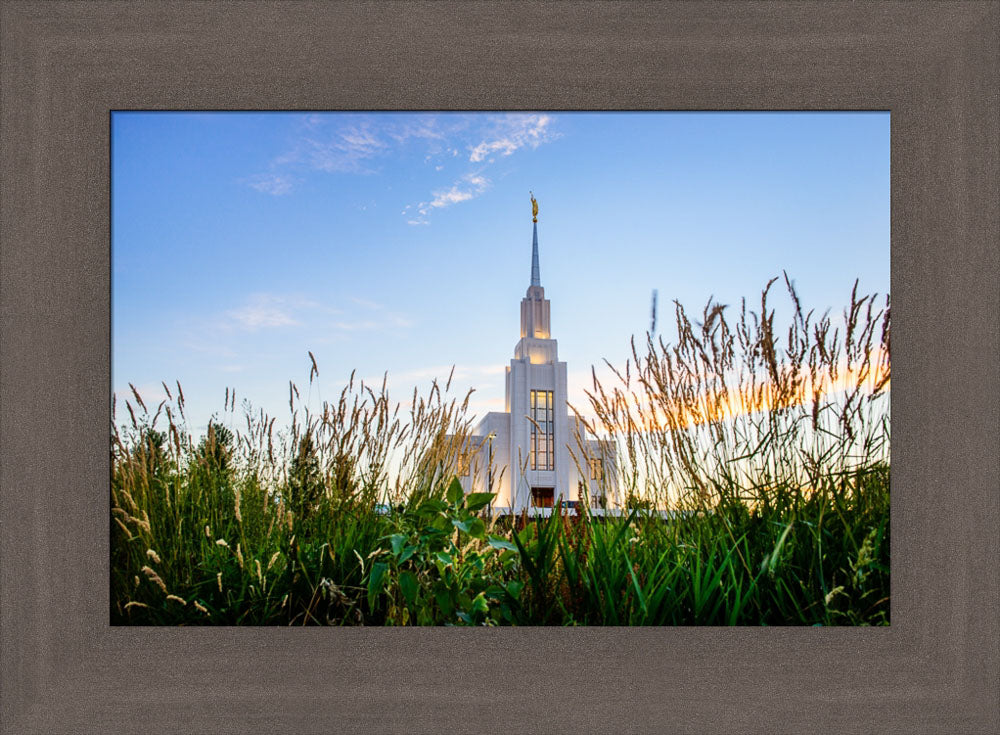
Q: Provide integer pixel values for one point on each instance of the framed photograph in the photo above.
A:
(116, 227)
(724, 464)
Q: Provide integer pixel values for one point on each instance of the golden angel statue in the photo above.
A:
(534, 208)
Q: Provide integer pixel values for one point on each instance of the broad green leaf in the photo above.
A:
(397, 540)
(432, 506)
(408, 585)
(407, 552)
(479, 604)
(499, 543)
(443, 558)
(444, 600)
(455, 492)
(475, 501)
(477, 529)
(375, 582)
(462, 526)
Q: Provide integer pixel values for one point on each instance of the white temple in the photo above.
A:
(534, 453)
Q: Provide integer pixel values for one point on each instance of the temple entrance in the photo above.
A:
(542, 497)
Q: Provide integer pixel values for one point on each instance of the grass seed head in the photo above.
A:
(155, 578)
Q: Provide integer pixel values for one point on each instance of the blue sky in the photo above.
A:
(402, 242)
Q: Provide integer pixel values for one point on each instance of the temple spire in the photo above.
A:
(536, 279)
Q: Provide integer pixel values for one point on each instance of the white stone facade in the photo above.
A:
(547, 461)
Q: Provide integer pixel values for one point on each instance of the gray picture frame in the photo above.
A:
(64, 66)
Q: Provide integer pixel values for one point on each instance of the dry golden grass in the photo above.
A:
(738, 408)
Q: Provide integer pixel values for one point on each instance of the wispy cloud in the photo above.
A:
(503, 136)
(274, 184)
(513, 132)
(430, 128)
(235, 339)
(269, 311)
(262, 311)
(462, 373)
(312, 121)
(486, 381)
(468, 187)
(365, 303)
(332, 145)
(377, 317)
(346, 152)
(362, 144)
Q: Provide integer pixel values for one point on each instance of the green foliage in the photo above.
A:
(440, 568)
(785, 524)
(438, 562)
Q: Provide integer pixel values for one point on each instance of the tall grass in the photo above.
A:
(250, 525)
(770, 448)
